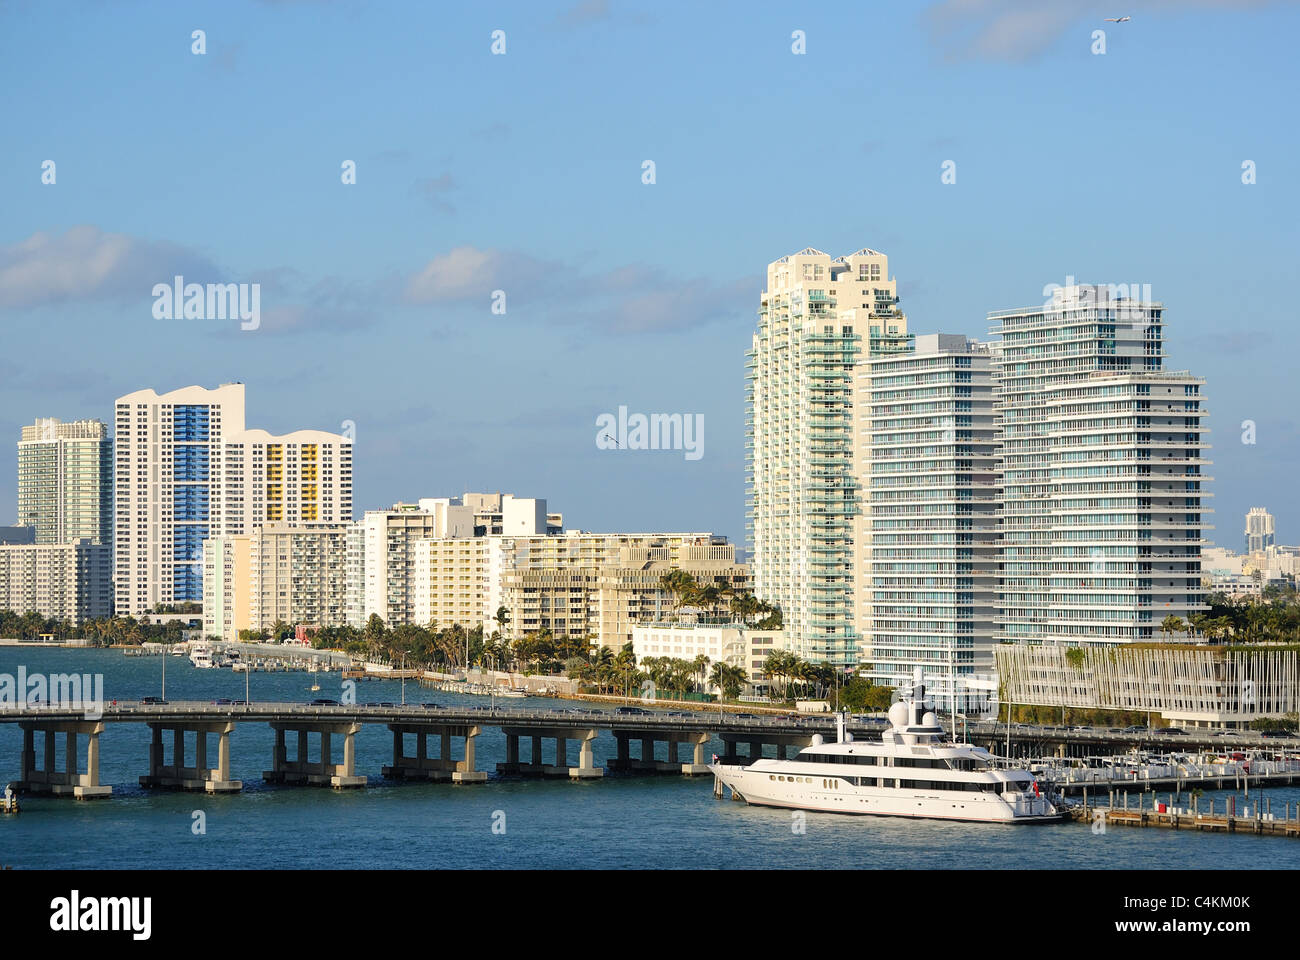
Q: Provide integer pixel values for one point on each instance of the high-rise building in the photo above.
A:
(296, 574)
(65, 481)
(187, 471)
(170, 495)
(819, 319)
(934, 490)
(299, 478)
(1259, 530)
(1102, 472)
(61, 581)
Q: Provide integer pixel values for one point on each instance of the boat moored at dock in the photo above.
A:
(911, 772)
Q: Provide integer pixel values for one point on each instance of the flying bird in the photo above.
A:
(1118, 19)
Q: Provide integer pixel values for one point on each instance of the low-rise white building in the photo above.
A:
(732, 643)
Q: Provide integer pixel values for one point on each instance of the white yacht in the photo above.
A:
(911, 772)
(201, 656)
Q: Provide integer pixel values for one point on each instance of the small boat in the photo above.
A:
(512, 694)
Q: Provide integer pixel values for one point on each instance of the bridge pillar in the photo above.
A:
(325, 772)
(560, 768)
(442, 768)
(586, 767)
(48, 779)
(177, 775)
(697, 764)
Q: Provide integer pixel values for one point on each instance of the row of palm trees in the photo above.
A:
(620, 674)
(1274, 617)
(101, 631)
(790, 676)
(711, 598)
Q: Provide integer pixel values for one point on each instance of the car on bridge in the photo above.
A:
(1273, 734)
(633, 711)
(153, 701)
(222, 702)
(320, 702)
(1174, 731)
(430, 706)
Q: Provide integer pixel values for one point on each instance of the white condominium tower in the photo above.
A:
(1260, 533)
(187, 471)
(819, 318)
(301, 477)
(1102, 459)
(933, 489)
(169, 449)
(65, 481)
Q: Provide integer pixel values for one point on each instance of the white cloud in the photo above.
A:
(85, 262)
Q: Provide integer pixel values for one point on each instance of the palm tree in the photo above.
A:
(1170, 625)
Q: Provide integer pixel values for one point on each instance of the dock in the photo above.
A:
(1255, 819)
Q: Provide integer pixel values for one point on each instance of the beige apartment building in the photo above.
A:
(602, 585)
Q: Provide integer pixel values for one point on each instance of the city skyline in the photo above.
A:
(368, 289)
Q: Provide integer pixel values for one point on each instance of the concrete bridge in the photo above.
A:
(331, 730)
(186, 727)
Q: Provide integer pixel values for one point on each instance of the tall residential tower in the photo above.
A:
(1102, 472)
(65, 481)
(818, 319)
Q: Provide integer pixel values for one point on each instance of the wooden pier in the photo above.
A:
(1257, 820)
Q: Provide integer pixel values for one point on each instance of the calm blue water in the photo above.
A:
(614, 822)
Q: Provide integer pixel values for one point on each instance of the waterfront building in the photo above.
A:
(736, 644)
(1102, 449)
(1260, 530)
(933, 489)
(60, 581)
(65, 481)
(393, 588)
(1187, 684)
(819, 319)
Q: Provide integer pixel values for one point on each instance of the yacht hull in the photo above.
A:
(758, 788)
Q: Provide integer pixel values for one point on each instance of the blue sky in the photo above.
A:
(522, 172)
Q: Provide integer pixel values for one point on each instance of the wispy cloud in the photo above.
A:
(435, 190)
(585, 11)
(85, 263)
(1020, 30)
(628, 299)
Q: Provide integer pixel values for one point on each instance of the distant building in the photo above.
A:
(17, 535)
(1187, 684)
(65, 481)
(60, 581)
(600, 586)
(1235, 585)
(732, 643)
(1260, 531)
